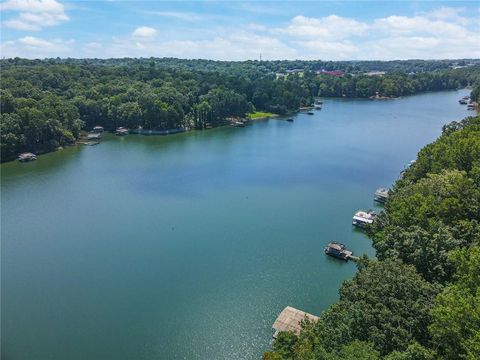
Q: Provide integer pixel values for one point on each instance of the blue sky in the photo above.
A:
(231, 30)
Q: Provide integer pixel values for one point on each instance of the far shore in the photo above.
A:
(250, 117)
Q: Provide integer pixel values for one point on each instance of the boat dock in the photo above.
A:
(94, 136)
(339, 251)
(290, 319)
(381, 195)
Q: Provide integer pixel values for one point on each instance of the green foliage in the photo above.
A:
(387, 304)
(284, 344)
(356, 350)
(172, 93)
(270, 355)
(415, 351)
(259, 114)
(454, 149)
(455, 327)
(435, 208)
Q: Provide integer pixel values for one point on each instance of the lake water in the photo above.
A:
(189, 246)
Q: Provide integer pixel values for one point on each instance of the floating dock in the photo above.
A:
(339, 251)
(381, 195)
(94, 136)
(290, 319)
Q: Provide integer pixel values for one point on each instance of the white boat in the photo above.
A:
(121, 131)
(381, 195)
(28, 156)
(363, 218)
(238, 124)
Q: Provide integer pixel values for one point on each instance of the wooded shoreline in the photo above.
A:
(46, 103)
(419, 300)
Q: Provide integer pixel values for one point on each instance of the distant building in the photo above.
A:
(375, 73)
(294, 71)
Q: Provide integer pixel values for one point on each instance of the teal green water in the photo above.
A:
(188, 246)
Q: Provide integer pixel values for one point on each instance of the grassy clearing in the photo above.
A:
(260, 114)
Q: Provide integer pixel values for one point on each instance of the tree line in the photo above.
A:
(421, 299)
(45, 104)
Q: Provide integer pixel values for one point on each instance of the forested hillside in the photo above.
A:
(421, 298)
(45, 103)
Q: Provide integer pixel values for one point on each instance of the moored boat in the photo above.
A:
(121, 131)
(290, 120)
(338, 251)
(98, 129)
(28, 156)
(363, 219)
(381, 195)
(238, 124)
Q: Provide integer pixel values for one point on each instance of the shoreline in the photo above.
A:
(80, 140)
(273, 116)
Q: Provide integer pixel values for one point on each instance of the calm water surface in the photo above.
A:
(188, 246)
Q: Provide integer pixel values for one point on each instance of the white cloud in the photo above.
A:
(177, 15)
(418, 24)
(256, 27)
(330, 27)
(239, 45)
(20, 25)
(145, 32)
(441, 33)
(258, 8)
(34, 47)
(321, 49)
(34, 14)
(421, 47)
(448, 14)
(51, 6)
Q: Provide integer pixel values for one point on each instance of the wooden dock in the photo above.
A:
(353, 258)
(290, 319)
(94, 136)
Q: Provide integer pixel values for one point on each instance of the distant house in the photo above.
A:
(375, 73)
(294, 71)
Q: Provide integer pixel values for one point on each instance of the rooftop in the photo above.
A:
(382, 192)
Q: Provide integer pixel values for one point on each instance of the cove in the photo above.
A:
(188, 246)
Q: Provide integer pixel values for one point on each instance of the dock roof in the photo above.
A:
(290, 320)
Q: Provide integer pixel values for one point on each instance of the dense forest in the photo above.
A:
(46, 103)
(421, 299)
(276, 66)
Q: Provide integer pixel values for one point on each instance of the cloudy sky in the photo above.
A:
(232, 30)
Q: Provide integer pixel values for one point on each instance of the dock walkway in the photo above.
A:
(290, 319)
